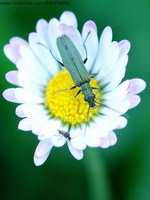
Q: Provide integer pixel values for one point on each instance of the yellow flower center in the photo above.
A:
(62, 104)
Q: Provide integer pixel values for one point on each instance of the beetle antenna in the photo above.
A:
(112, 109)
(51, 53)
(86, 58)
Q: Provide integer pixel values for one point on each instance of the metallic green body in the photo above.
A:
(74, 64)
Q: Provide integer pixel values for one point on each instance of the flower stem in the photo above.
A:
(99, 187)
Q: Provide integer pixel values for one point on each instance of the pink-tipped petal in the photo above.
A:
(18, 41)
(46, 60)
(124, 46)
(12, 50)
(49, 129)
(24, 96)
(136, 86)
(107, 60)
(78, 143)
(91, 138)
(58, 140)
(34, 110)
(38, 124)
(78, 154)
(43, 147)
(122, 122)
(42, 151)
(42, 30)
(117, 95)
(10, 96)
(12, 53)
(134, 100)
(19, 111)
(38, 161)
(12, 77)
(106, 37)
(117, 75)
(89, 32)
(112, 138)
(25, 124)
(77, 138)
(104, 142)
(53, 34)
(69, 19)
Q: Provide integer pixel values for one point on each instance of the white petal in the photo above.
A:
(91, 140)
(12, 50)
(8, 94)
(34, 110)
(12, 77)
(78, 154)
(117, 110)
(124, 46)
(134, 100)
(43, 147)
(43, 54)
(113, 138)
(104, 142)
(110, 140)
(136, 86)
(31, 63)
(91, 42)
(68, 18)
(42, 30)
(58, 140)
(106, 37)
(111, 60)
(117, 95)
(77, 139)
(38, 124)
(24, 96)
(91, 137)
(19, 111)
(25, 124)
(107, 60)
(42, 151)
(49, 128)
(122, 122)
(116, 76)
(40, 160)
(53, 34)
(29, 85)
(104, 52)
(104, 124)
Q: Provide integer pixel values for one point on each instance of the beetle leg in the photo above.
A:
(77, 93)
(78, 100)
(67, 89)
(95, 88)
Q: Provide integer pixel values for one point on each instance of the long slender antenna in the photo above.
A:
(112, 109)
(85, 60)
(51, 53)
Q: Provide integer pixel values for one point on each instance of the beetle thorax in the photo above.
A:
(88, 94)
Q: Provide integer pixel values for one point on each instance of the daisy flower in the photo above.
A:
(48, 109)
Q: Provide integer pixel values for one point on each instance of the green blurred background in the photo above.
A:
(121, 172)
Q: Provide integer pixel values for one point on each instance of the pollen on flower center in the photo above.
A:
(63, 105)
